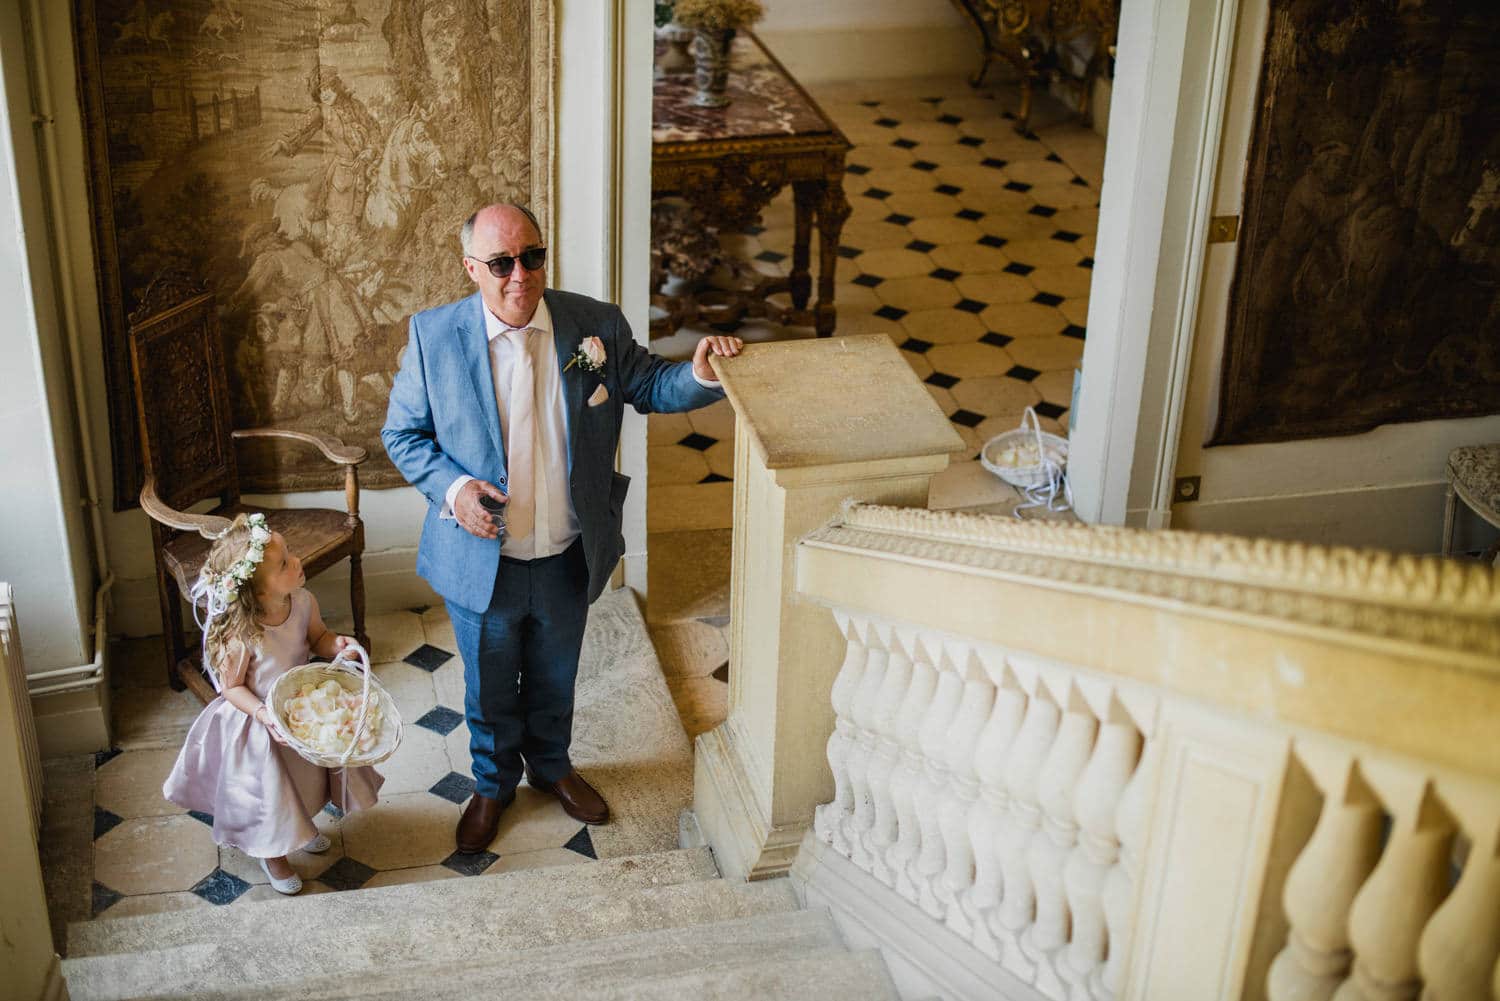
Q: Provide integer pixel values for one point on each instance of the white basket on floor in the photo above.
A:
(351, 679)
(1052, 454)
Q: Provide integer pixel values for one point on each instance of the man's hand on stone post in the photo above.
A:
(473, 517)
(719, 345)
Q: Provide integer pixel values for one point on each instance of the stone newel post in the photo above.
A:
(819, 421)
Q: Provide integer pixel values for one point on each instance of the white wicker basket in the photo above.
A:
(1038, 475)
(351, 679)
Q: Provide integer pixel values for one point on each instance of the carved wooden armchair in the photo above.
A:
(182, 399)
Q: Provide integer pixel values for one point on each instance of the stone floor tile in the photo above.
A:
(966, 485)
(1055, 387)
(896, 179)
(310, 888)
(918, 293)
(996, 396)
(876, 154)
(970, 360)
(535, 820)
(1024, 319)
(404, 830)
(925, 204)
(972, 258)
(410, 686)
(540, 858)
(868, 235)
(1075, 311)
(716, 420)
(1044, 353)
(676, 464)
(919, 363)
(690, 649)
(852, 297)
(152, 717)
(942, 397)
(448, 684)
(421, 760)
(1039, 172)
(457, 746)
(154, 855)
(870, 324)
(895, 263)
(945, 229)
(415, 874)
(1043, 253)
(720, 456)
(1080, 220)
(1068, 281)
(703, 703)
(129, 784)
(943, 326)
(1016, 225)
(688, 575)
(153, 903)
(996, 288)
(667, 429)
(933, 133)
(393, 635)
(1065, 196)
(690, 507)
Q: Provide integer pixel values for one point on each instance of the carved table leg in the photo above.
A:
(833, 209)
(805, 195)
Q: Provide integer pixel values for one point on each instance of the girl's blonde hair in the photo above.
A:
(238, 624)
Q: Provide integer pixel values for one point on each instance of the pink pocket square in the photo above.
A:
(600, 395)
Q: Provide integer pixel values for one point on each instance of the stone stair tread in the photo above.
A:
(563, 970)
(384, 940)
(502, 892)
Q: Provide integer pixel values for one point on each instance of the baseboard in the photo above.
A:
(745, 844)
(875, 53)
(924, 957)
(72, 722)
(1404, 518)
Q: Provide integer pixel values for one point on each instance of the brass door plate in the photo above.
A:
(1223, 228)
(1185, 489)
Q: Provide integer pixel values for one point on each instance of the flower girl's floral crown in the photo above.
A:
(218, 591)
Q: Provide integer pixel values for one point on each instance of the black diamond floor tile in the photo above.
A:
(347, 874)
(1074, 330)
(220, 887)
(440, 720)
(1045, 211)
(1017, 268)
(1087, 262)
(849, 253)
(994, 163)
(897, 219)
(920, 246)
(715, 478)
(1047, 299)
(104, 898)
(971, 305)
(949, 119)
(942, 380)
(917, 345)
(924, 165)
(948, 189)
(206, 819)
(1023, 373)
(453, 787)
(100, 757)
(419, 609)
(1017, 186)
(856, 169)
(470, 864)
(104, 822)
(428, 657)
(870, 104)
(701, 442)
(998, 340)
(969, 214)
(868, 281)
(991, 240)
(971, 141)
(932, 100)
(1067, 236)
(1052, 410)
(721, 673)
(904, 144)
(879, 194)
(1080, 182)
(890, 312)
(887, 123)
(943, 274)
(771, 256)
(1054, 158)
(582, 843)
(967, 418)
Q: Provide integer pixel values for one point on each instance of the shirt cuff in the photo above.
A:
(452, 495)
(707, 383)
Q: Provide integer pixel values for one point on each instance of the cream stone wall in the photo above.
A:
(851, 40)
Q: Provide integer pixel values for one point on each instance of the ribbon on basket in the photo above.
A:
(1053, 493)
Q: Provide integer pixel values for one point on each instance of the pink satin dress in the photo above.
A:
(261, 794)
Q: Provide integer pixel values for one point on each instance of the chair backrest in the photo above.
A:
(181, 393)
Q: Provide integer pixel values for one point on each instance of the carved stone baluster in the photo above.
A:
(857, 825)
(1132, 819)
(1095, 800)
(1390, 911)
(882, 832)
(1459, 949)
(1320, 889)
(973, 713)
(934, 790)
(1023, 818)
(828, 819)
(990, 755)
(907, 776)
(1048, 852)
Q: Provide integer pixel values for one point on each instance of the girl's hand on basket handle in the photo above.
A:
(263, 717)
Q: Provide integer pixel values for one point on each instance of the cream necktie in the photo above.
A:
(521, 444)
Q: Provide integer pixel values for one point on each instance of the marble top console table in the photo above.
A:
(727, 164)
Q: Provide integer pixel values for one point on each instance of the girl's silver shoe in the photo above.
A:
(318, 845)
(290, 886)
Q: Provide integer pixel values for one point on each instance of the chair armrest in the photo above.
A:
(210, 526)
(333, 450)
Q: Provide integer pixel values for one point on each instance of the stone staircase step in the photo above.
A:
(570, 970)
(299, 946)
(409, 905)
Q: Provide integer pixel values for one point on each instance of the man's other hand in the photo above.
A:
(474, 518)
(719, 345)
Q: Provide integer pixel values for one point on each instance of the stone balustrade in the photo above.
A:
(1086, 764)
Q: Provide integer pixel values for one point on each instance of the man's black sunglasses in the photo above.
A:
(503, 265)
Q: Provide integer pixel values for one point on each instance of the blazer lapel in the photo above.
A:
(565, 339)
(476, 349)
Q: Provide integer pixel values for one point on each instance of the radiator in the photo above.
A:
(14, 670)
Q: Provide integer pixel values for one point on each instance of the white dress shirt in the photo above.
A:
(556, 522)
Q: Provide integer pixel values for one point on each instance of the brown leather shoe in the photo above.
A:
(579, 800)
(477, 827)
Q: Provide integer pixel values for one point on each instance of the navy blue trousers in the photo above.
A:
(520, 663)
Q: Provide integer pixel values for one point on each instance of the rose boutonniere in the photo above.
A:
(589, 356)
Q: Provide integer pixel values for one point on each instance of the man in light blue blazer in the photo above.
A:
(514, 397)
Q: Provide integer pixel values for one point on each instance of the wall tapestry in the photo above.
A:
(311, 160)
(1367, 288)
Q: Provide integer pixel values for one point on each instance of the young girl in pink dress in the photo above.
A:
(261, 623)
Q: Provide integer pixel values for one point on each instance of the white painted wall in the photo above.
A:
(601, 194)
(865, 39)
(1382, 488)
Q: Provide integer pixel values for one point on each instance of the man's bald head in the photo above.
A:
(494, 214)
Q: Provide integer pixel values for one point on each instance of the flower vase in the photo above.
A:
(711, 55)
(675, 58)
